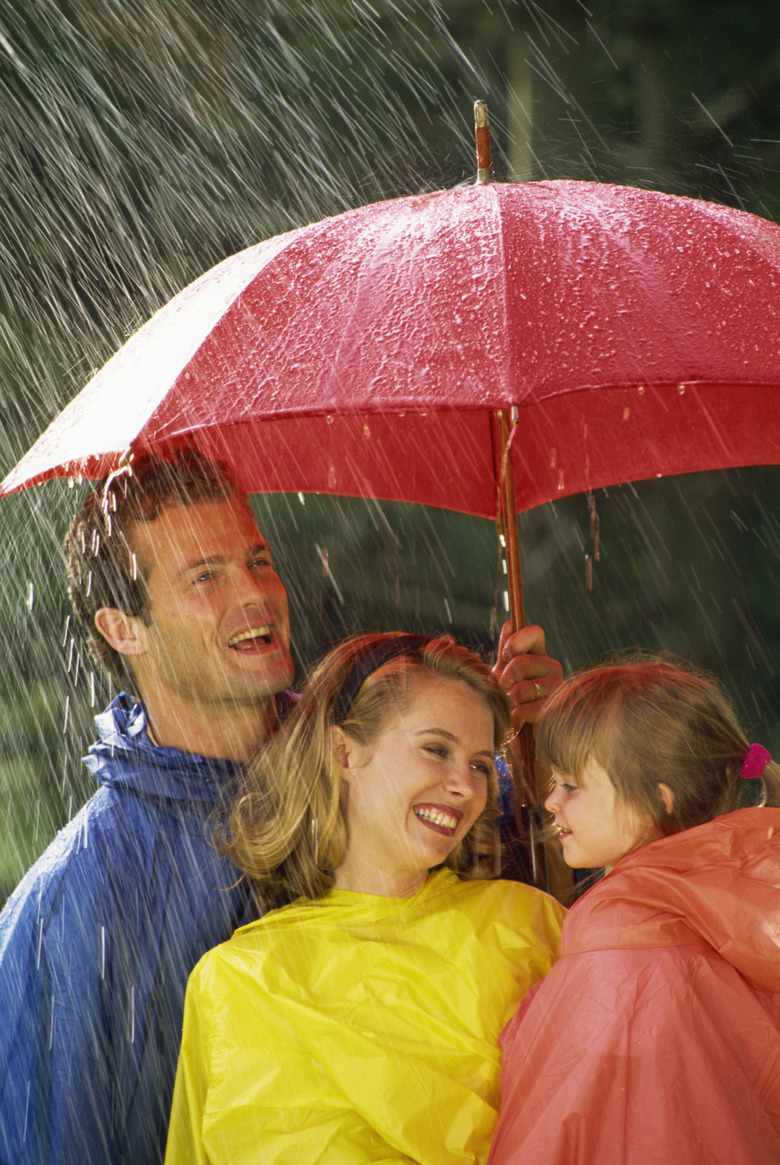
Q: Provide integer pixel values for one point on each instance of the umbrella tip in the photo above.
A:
(482, 131)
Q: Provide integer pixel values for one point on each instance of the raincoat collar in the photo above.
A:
(716, 886)
(125, 758)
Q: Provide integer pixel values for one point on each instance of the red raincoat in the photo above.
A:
(656, 1036)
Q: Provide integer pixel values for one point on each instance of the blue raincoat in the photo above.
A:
(96, 944)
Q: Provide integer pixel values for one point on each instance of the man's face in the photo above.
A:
(219, 630)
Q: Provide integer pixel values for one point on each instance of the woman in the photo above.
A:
(360, 1023)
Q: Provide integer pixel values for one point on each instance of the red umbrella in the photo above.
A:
(389, 351)
(629, 333)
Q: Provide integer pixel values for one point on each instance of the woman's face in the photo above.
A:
(595, 827)
(415, 791)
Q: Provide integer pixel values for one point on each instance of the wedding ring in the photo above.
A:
(538, 688)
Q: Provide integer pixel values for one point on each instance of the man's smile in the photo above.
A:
(253, 637)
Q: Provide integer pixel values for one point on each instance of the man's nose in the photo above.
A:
(248, 585)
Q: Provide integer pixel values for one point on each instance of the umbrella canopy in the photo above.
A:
(629, 333)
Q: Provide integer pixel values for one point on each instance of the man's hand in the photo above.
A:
(525, 672)
(528, 676)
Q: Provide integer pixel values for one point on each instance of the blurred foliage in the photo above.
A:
(143, 141)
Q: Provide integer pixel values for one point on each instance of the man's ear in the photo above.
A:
(666, 797)
(125, 633)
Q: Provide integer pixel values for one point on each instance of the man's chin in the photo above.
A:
(260, 689)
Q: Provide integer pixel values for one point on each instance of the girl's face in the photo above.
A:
(416, 790)
(595, 827)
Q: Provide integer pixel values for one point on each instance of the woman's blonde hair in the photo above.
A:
(287, 828)
(649, 720)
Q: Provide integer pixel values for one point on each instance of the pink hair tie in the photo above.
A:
(756, 760)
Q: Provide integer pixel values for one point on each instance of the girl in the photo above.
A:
(361, 1022)
(656, 1037)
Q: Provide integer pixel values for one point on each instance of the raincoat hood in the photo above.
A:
(148, 770)
(713, 886)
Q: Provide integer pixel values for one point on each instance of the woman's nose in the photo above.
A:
(461, 781)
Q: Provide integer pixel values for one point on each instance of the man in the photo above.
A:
(177, 591)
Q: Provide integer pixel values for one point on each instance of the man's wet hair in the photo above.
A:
(100, 564)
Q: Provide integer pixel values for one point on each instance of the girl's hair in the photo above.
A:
(287, 828)
(648, 720)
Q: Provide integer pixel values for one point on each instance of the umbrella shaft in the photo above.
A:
(508, 504)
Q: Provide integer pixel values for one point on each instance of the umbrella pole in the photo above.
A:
(529, 812)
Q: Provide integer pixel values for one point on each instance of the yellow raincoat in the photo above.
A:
(358, 1028)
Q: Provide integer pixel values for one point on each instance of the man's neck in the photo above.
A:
(231, 732)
